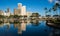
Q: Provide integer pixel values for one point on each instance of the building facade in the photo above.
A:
(19, 5)
(1, 12)
(7, 13)
(15, 12)
(23, 10)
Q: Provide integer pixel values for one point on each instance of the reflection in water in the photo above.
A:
(1, 25)
(23, 27)
(55, 32)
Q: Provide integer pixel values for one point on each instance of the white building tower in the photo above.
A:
(19, 5)
(23, 10)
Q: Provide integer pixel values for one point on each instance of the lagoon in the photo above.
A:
(28, 29)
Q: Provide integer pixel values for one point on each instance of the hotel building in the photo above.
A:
(15, 12)
(19, 5)
(18, 10)
(21, 10)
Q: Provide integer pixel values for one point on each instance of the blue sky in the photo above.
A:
(31, 5)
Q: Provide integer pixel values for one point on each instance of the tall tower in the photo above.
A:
(19, 8)
(23, 10)
(19, 5)
(15, 12)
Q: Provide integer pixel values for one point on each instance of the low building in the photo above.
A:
(7, 14)
(28, 14)
(1, 12)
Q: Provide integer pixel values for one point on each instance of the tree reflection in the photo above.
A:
(55, 32)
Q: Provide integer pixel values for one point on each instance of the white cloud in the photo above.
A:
(50, 1)
(56, 1)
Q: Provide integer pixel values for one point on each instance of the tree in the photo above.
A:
(45, 11)
(11, 16)
(35, 15)
(16, 16)
(55, 7)
(50, 11)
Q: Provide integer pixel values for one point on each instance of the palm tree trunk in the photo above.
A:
(56, 13)
(59, 11)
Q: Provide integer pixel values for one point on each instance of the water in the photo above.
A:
(28, 30)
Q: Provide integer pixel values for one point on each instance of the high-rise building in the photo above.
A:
(15, 12)
(23, 10)
(18, 11)
(19, 8)
(19, 5)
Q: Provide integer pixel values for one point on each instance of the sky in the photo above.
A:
(31, 5)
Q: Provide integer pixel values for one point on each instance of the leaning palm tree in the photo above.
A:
(55, 7)
(59, 9)
(58, 6)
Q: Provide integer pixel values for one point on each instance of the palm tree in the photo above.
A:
(45, 11)
(59, 10)
(50, 11)
(55, 7)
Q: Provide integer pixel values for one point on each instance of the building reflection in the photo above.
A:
(19, 29)
(55, 32)
(21, 25)
(15, 25)
(1, 25)
(7, 25)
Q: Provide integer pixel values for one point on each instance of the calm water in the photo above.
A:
(29, 30)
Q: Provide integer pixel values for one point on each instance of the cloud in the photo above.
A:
(50, 1)
(57, 1)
